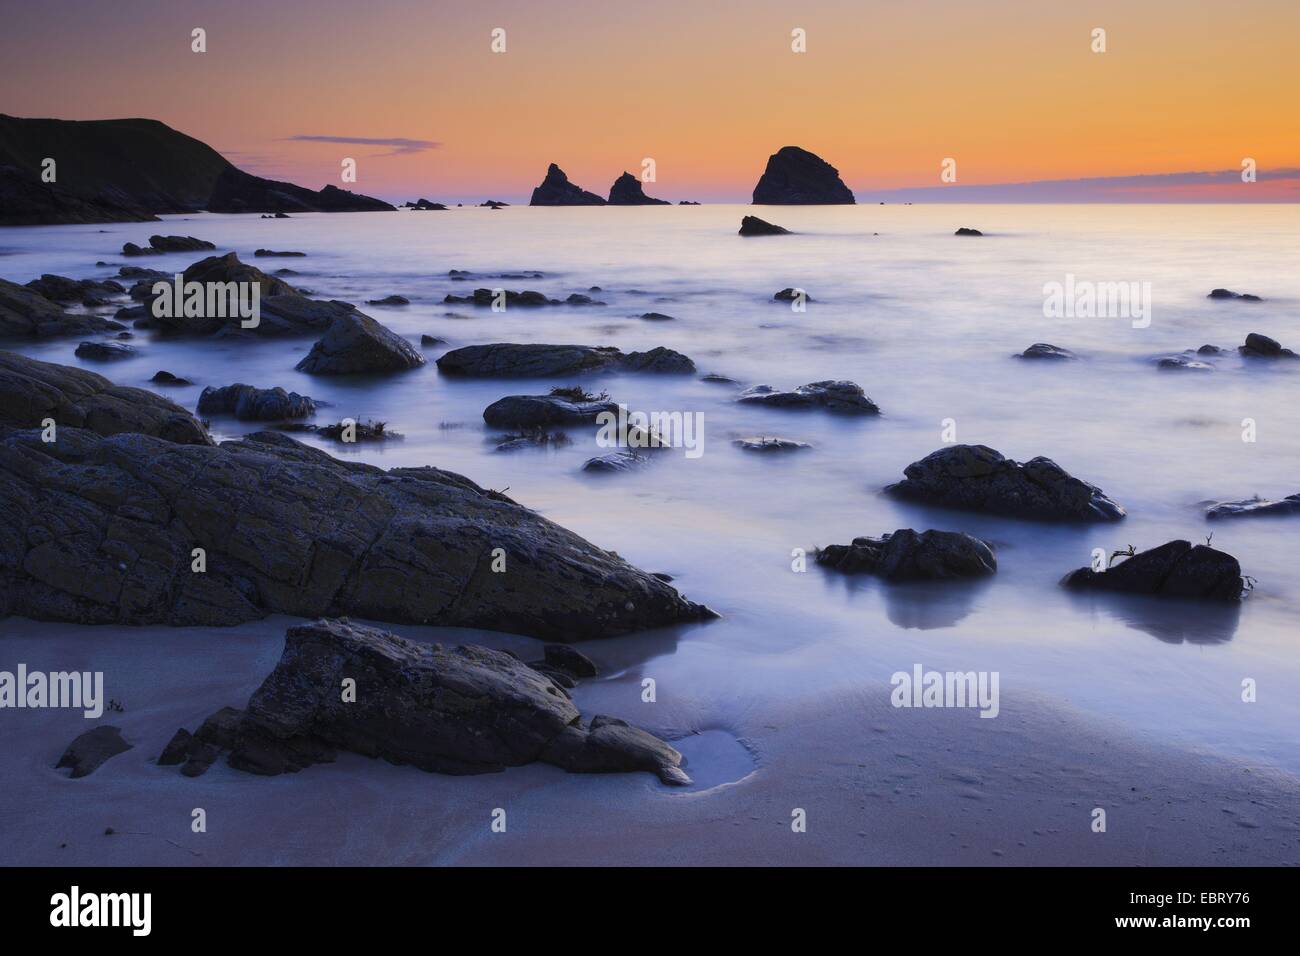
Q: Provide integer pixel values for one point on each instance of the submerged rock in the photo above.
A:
(1041, 350)
(967, 231)
(795, 176)
(790, 294)
(1229, 294)
(163, 377)
(556, 190)
(101, 530)
(534, 411)
(656, 317)
(104, 351)
(27, 314)
(616, 462)
(843, 397)
(907, 555)
(512, 360)
(753, 226)
(627, 191)
(977, 478)
(91, 749)
(272, 254)
(461, 710)
(32, 391)
(1261, 346)
(1176, 569)
(248, 403)
(1183, 363)
(390, 300)
(357, 343)
(489, 297)
(769, 444)
(1255, 507)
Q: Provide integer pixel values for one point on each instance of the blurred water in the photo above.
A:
(927, 323)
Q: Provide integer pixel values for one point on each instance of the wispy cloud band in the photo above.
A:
(400, 146)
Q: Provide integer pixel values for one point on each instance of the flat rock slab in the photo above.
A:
(512, 360)
(535, 411)
(843, 397)
(1255, 507)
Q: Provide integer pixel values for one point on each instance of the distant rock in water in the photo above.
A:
(511, 360)
(845, 397)
(753, 226)
(88, 292)
(1182, 363)
(1229, 294)
(163, 377)
(1261, 346)
(91, 749)
(534, 411)
(791, 295)
(656, 317)
(907, 555)
(272, 254)
(248, 403)
(1177, 569)
(795, 176)
(461, 710)
(104, 351)
(425, 204)
(1255, 507)
(357, 343)
(627, 191)
(161, 244)
(134, 170)
(967, 231)
(1041, 350)
(556, 190)
(390, 300)
(489, 297)
(26, 314)
(616, 462)
(977, 478)
(687, 202)
(764, 443)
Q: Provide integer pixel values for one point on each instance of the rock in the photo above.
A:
(569, 659)
(759, 443)
(101, 530)
(248, 403)
(1176, 569)
(346, 431)
(656, 317)
(275, 295)
(26, 201)
(977, 478)
(1210, 350)
(687, 202)
(88, 752)
(494, 204)
(1229, 294)
(1183, 362)
(795, 176)
(462, 710)
(1261, 346)
(160, 244)
(89, 292)
(753, 226)
(845, 397)
(104, 351)
(616, 462)
(163, 377)
(425, 204)
(32, 391)
(1041, 350)
(906, 555)
(272, 254)
(556, 190)
(488, 297)
(1253, 507)
(27, 314)
(577, 298)
(357, 343)
(627, 191)
(390, 300)
(427, 340)
(178, 749)
(967, 231)
(789, 294)
(511, 360)
(536, 411)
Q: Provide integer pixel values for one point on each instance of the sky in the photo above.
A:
(1011, 91)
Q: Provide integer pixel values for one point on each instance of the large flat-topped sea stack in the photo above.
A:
(556, 190)
(796, 177)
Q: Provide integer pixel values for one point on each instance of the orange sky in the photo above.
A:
(1011, 90)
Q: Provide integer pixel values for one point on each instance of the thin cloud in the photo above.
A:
(399, 146)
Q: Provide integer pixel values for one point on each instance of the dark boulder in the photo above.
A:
(556, 190)
(272, 254)
(1176, 569)
(248, 403)
(769, 444)
(161, 244)
(535, 411)
(89, 292)
(357, 343)
(1255, 507)
(88, 752)
(390, 300)
(488, 297)
(795, 176)
(844, 397)
(656, 317)
(790, 294)
(511, 360)
(753, 226)
(26, 314)
(977, 478)
(627, 191)
(967, 231)
(163, 377)
(104, 351)
(1182, 363)
(1041, 350)
(616, 462)
(1229, 294)
(1261, 346)
(907, 555)
(461, 710)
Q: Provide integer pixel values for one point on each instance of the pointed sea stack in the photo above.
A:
(796, 177)
(627, 191)
(556, 190)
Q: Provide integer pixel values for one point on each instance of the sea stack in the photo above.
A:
(627, 191)
(796, 177)
(556, 190)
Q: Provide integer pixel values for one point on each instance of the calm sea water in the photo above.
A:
(927, 323)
